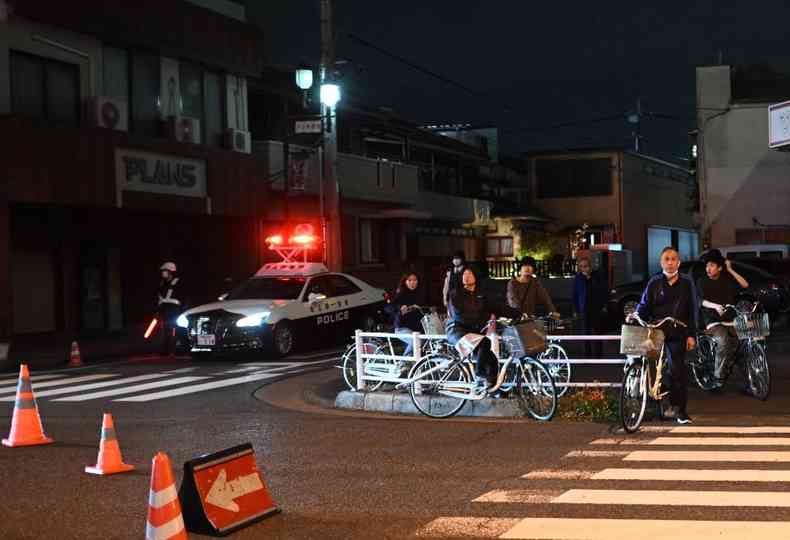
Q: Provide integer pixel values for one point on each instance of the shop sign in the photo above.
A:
(159, 173)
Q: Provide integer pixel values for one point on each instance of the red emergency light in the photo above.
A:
(275, 240)
(302, 240)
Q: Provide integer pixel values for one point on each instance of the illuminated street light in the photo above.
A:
(304, 78)
(330, 94)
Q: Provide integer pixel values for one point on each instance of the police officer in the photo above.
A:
(169, 305)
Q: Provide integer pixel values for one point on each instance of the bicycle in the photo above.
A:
(643, 372)
(451, 377)
(751, 328)
(390, 367)
(554, 355)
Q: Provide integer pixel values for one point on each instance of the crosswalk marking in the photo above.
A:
(467, 527)
(33, 378)
(725, 456)
(518, 496)
(93, 386)
(131, 389)
(60, 382)
(720, 441)
(743, 430)
(549, 474)
(692, 475)
(626, 442)
(199, 387)
(675, 497)
(597, 453)
(656, 529)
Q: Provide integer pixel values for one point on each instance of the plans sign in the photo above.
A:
(159, 173)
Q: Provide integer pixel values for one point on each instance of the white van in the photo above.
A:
(751, 251)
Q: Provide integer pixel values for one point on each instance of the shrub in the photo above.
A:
(592, 404)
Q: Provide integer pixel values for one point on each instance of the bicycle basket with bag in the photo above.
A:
(432, 324)
(641, 341)
(526, 339)
(752, 325)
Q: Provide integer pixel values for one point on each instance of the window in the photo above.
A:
(369, 241)
(573, 178)
(213, 109)
(145, 94)
(318, 285)
(740, 255)
(191, 81)
(499, 247)
(115, 73)
(270, 288)
(343, 286)
(45, 88)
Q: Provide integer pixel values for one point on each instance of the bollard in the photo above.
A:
(360, 361)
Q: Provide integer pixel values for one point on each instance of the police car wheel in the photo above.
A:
(283, 339)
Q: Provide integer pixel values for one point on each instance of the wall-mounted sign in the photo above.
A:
(159, 173)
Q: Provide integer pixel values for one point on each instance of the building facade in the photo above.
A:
(126, 144)
(744, 192)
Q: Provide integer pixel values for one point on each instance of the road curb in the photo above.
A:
(397, 403)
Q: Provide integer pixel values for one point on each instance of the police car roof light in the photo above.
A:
(274, 240)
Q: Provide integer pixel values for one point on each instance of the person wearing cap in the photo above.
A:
(452, 280)
(169, 305)
(717, 289)
(525, 291)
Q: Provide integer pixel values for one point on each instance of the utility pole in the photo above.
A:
(330, 215)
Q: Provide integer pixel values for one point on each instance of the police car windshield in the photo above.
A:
(268, 288)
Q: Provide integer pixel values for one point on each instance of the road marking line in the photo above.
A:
(199, 387)
(33, 378)
(694, 475)
(183, 370)
(551, 474)
(657, 529)
(533, 496)
(744, 430)
(92, 386)
(619, 441)
(597, 453)
(61, 382)
(471, 527)
(629, 497)
(720, 441)
(666, 455)
(647, 429)
(131, 389)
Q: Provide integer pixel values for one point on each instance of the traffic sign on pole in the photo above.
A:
(307, 126)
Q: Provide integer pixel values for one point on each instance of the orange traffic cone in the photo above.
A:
(26, 429)
(75, 359)
(110, 460)
(165, 521)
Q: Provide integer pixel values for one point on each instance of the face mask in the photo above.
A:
(457, 262)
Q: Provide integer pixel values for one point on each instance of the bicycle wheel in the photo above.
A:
(349, 364)
(703, 363)
(633, 397)
(535, 389)
(426, 392)
(758, 372)
(560, 371)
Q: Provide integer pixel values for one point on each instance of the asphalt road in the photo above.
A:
(349, 475)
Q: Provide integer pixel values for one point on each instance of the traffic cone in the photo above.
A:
(165, 521)
(26, 429)
(110, 460)
(75, 359)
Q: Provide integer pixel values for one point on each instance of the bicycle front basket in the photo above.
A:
(526, 339)
(640, 341)
(432, 324)
(752, 325)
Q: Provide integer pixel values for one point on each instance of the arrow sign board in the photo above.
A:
(224, 492)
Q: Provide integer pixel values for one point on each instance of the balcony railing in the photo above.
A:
(543, 268)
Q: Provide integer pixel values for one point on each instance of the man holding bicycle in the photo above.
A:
(717, 290)
(671, 294)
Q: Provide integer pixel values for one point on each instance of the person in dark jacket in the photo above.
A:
(452, 280)
(469, 310)
(590, 292)
(672, 294)
(525, 291)
(404, 308)
(169, 306)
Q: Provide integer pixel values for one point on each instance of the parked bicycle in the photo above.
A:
(451, 376)
(554, 355)
(645, 368)
(751, 328)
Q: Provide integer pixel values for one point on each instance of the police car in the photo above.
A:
(282, 305)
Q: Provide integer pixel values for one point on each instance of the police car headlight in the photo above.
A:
(182, 321)
(256, 319)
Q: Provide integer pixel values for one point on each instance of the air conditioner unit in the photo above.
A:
(109, 112)
(183, 129)
(238, 140)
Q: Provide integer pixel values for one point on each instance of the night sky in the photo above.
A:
(532, 65)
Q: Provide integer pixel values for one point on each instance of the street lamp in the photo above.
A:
(330, 94)
(304, 78)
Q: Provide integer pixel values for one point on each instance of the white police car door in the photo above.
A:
(318, 299)
(348, 297)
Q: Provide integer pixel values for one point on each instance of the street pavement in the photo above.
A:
(338, 474)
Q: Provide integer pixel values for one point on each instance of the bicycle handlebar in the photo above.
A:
(635, 316)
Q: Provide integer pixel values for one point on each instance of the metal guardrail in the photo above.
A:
(416, 356)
